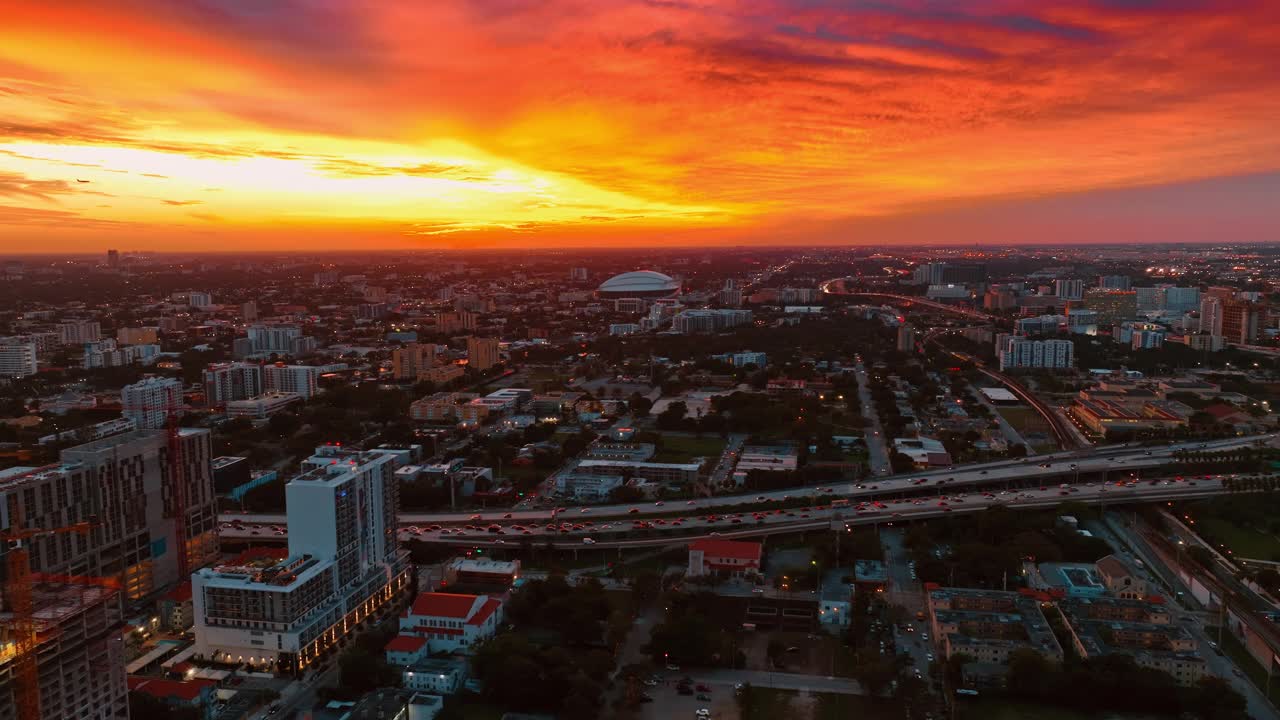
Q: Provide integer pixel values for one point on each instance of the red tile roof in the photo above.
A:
(727, 549)
(188, 690)
(405, 643)
(490, 607)
(450, 605)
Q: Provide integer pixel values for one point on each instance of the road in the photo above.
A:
(904, 589)
(877, 451)
(1003, 472)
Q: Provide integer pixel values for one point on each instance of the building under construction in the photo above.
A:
(124, 486)
(79, 654)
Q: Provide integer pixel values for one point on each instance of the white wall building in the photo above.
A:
(224, 382)
(1019, 352)
(300, 379)
(17, 359)
(148, 402)
(452, 622)
(344, 563)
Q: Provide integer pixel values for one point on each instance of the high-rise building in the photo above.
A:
(225, 382)
(274, 338)
(1019, 352)
(122, 483)
(452, 322)
(1068, 288)
(1178, 300)
(113, 258)
(482, 353)
(80, 659)
(929, 273)
(17, 359)
(344, 564)
(1211, 315)
(407, 362)
(249, 311)
(78, 332)
(579, 274)
(300, 379)
(199, 299)
(148, 402)
(704, 321)
(999, 299)
(1112, 306)
(1114, 282)
(1241, 321)
(1149, 299)
(906, 338)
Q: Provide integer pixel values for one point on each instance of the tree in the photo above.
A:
(673, 416)
(746, 700)
(775, 652)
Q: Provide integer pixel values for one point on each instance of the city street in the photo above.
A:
(877, 451)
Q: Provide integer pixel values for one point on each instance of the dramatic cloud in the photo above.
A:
(403, 121)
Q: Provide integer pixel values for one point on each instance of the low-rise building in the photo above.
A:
(262, 406)
(442, 676)
(452, 622)
(482, 572)
(988, 625)
(1102, 626)
(768, 458)
(1120, 579)
(728, 557)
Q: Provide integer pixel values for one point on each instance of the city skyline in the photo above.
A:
(233, 126)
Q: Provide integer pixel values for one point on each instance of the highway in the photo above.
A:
(1024, 471)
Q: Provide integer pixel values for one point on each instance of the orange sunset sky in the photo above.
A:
(305, 124)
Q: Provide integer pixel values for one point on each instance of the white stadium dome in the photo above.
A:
(639, 283)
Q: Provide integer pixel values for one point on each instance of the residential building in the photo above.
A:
(624, 328)
(1178, 300)
(198, 299)
(441, 677)
(453, 322)
(300, 379)
(1068, 288)
(989, 625)
(1205, 341)
(1112, 306)
(442, 374)
(343, 564)
(704, 321)
(482, 353)
(1143, 630)
(80, 661)
(1241, 321)
(89, 433)
(1211, 315)
(411, 360)
(78, 332)
(929, 273)
(225, 382)
(452, 622)
(1115, 282)
(267, 339)
(149, 401)
(249, 311)
(906, 338)
(124, 482)
(728, 557)
(17, 360)
(1018, 352)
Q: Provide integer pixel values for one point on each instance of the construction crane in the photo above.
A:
(20, 585)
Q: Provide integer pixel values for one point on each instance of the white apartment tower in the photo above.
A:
(148, 402)
(344, 563)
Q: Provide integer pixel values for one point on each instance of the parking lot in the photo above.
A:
(669, 703)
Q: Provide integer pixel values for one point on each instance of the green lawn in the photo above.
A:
(679, 448)
(1243, 541)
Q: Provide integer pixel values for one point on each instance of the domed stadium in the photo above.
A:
(638, 284)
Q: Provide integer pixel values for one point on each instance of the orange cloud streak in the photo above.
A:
(586, 122)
